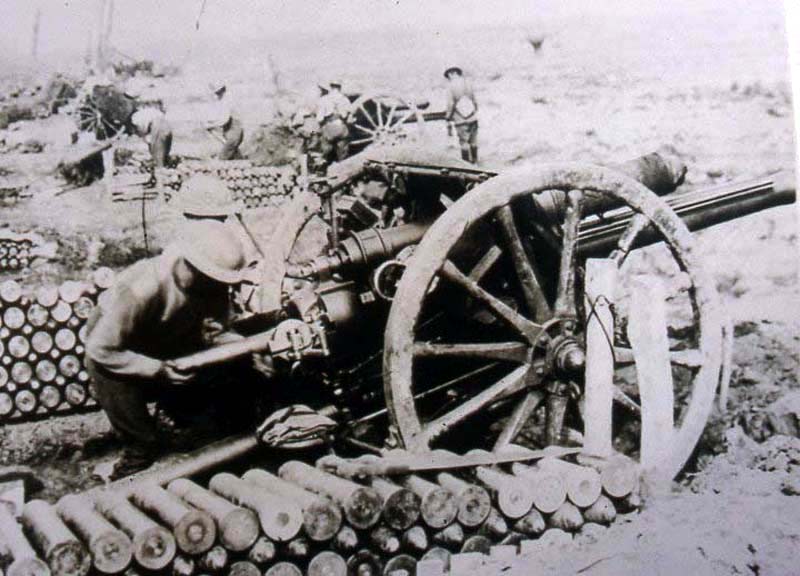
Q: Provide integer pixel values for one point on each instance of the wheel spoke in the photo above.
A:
(509, 384)
(361, 141)
(625, 400)
(531, 287)
(499, 308)
(556, 409)
(368, 116)
(565, 301)
(518, 418)
(636, 225)
(486, 262)
(379, 109)
(365, 130)
(390, 115)
(405, 117)
(508, 351)
(110, 126)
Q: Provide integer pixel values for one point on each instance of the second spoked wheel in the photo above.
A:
(383, 119)
(502, 331)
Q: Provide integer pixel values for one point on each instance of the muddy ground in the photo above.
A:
(594, 93)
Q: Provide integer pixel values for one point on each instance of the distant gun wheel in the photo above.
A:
(383, 119)
(484, 346)
(105, 112)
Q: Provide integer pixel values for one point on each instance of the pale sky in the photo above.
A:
(141, 25)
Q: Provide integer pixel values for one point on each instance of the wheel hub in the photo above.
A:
(570, 358)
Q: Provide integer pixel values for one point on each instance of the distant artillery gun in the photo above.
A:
(377, 118)
(387, 119)
(105, 110)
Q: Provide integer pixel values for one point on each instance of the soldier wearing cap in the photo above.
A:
(151, 124)
(158, 310)
(226, 123)
(334, 113)
(462, 113)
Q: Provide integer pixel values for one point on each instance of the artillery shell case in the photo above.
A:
(143, 530)
(42, 369)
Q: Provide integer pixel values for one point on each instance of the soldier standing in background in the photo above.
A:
(227, 123)
(462, 113)
(151, 124)
(334, 112)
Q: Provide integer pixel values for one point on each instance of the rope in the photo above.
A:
(593, 312)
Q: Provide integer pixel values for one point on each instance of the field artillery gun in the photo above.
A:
(515, 308)
(386, 118)
(376, 118)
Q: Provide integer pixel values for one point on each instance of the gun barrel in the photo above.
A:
(699, 209)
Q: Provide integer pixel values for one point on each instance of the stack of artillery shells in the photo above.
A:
(303, 520)
(252, 186)
(42, 337)
(17, 250)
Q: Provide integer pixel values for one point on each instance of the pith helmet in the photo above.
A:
(453, 69)
(214, 249)
(205, 196)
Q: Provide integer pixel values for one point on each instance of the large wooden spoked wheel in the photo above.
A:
(483, 323)
(383, 119)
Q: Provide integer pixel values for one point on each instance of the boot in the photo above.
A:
(134, 459)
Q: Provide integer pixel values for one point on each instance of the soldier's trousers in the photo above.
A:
(468, 141)
(217, 402)
(160, 147)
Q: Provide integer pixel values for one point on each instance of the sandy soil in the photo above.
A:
(595, 93)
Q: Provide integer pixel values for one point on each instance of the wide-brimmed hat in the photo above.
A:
(453, 69)
(204, 196)
(214, 249)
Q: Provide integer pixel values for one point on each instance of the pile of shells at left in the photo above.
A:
(42, 337)
(302, 519)
(17, 250)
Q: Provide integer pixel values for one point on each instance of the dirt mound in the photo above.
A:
(273, 145)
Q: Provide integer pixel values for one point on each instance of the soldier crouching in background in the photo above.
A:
(160, 309)
(225, 123)
(152, 126)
